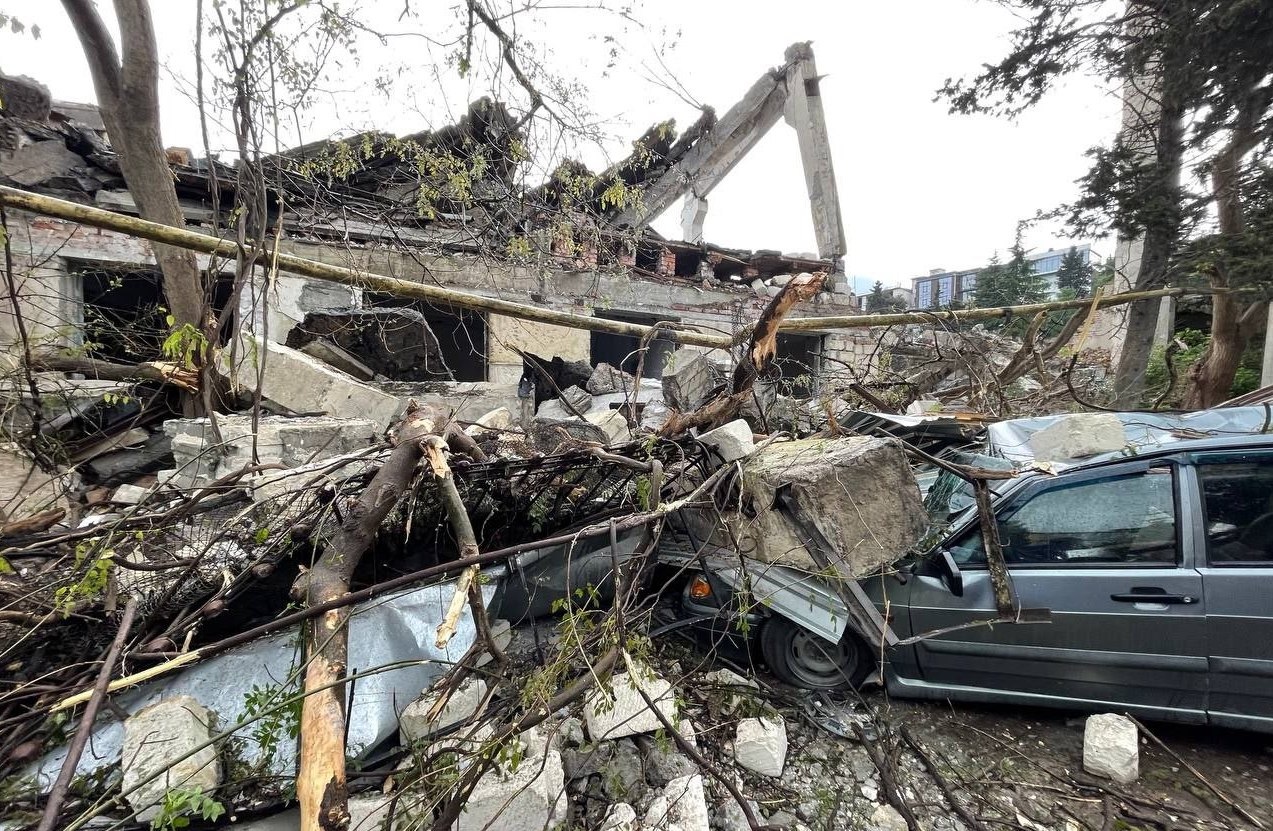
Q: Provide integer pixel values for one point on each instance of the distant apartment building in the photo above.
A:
(941, 288)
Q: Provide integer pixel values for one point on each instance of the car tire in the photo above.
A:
(802, 659)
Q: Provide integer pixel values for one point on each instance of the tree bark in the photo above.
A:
(128, 95)
(320, 785)
(1211, 376)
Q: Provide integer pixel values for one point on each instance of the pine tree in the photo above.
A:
(1074, 277)
(880, 300)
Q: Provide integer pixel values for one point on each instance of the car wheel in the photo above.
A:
(802, 659)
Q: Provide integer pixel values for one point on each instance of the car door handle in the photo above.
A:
(1153, 596)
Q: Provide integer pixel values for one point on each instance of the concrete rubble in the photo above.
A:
(1111, 747)
(528, 795)
(155, 741)
(760, 745)
(621, 710)
(420, 721)
(858, 493)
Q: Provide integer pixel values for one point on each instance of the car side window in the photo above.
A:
(1117, 520)
(1237, 496)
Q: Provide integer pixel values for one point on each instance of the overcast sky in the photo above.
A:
(919, 188)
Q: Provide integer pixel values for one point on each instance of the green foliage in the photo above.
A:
(91, 584)
(1074, 277)
(183, 344)
(180, 804)
(1195, 343)
(881, 301)
(1009, 284)
(273, 722)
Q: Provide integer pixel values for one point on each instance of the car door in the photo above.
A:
(1237, 581)
(1104, 551)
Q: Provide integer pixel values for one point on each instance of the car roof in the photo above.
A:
(1253, 441)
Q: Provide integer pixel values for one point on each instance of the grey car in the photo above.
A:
(1157, 570)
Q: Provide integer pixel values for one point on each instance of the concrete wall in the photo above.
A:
(48, 252)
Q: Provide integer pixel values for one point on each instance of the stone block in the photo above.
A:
(1079, 435)
(415, 723)
(501, 418)
(306, 385)
(613, 423)
(621, 817)
(129, 495)
(858, 492)
(682, 805)
(154, 739)
(621, 711)
(530, 798)
(608, 379)
(1111, 748)
(760, 745)
(733, 441)
(887, 818)
(688, 380)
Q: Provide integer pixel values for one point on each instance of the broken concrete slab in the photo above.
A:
(155, 740)
(394, 342)
(621, 711)
(760, 745)
(682, 805)
(1079, 435)
(858, 493)
(416, 722)
(613, 423)
(608, 379)
(1111, 747)
(305, 385)
(129, 495)
(733, 441)
(529, 796)
(572, 401)
(290, 442)
(501, 418)
(621, 817)
(688, 379)
(502, 634)
(332, 355)
(38, 162)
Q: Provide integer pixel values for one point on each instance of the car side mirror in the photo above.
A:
(950, 572)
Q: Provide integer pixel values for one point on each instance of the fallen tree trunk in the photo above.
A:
(320, 784)
(287, 263)
(162, 371)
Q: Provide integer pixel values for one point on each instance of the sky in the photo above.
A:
(919, 188)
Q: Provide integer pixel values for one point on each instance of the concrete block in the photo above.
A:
(682, 805)
(501, 418)
(291, 442)
(332, 355)
(154, 738)
(621, 817)
(608, 379)
(530, 798)
(858, 492)
(547, 434)
(613, 423)
(733, 441)
(760, 745)
(1111, 748)
(887, 818)
(306, 385)
(688, 379)
(1079, 435)
(415, 723)
(129, 495)
(621, 711)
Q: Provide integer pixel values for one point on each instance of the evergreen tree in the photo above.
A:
(1074, 277)
(992, 288)
(880, 300)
